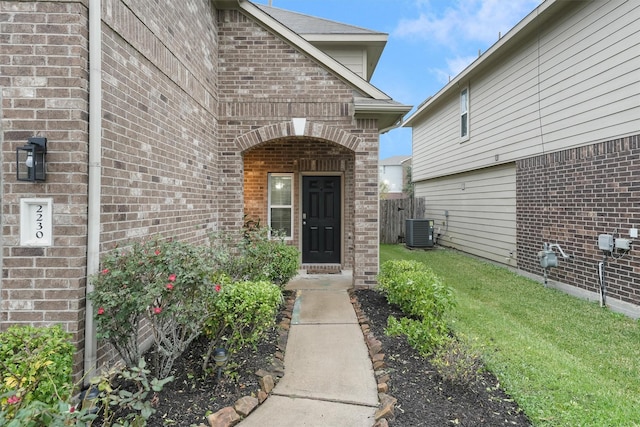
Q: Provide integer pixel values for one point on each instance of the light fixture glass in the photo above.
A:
(220, 356)
(30, 160)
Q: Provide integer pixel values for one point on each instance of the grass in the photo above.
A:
(567, 362)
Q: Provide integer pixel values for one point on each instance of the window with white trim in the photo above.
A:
(281, 204)
(464, 114)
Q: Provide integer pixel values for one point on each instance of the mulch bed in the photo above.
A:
(424, 398)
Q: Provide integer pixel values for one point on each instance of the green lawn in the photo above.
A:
(567, 362)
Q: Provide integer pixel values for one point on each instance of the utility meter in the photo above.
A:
(548, 258)
(605, 242)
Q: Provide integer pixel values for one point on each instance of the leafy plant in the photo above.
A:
(36, 366)
(420, 294)
(243, 311)
(126, 404)
(270, 258)
(164, 283)
(409, 186)
(457, 362)
(566, 361)
(415, 288)
(40, 414)
(257, 256)
(423, 335)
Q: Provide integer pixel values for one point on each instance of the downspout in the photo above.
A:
(95, 170)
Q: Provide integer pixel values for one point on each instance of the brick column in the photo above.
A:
(366, 236)
(43, 76)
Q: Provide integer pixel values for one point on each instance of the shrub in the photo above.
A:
(270, 259)
(36, 366)
(423, 335)
(420, 294)
(415, 288)
(256, 256)
(457, 362)
(165, 282)
(125, 404)
(243, 311)
(122, 395)
(36, 414)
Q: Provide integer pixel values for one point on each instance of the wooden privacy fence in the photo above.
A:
(393, 213)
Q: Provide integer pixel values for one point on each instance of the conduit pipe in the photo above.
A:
(602, 265)
(95, 171)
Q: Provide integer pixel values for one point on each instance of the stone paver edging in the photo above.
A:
(232, 415)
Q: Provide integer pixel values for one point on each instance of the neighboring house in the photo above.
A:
(393, 172)
(178, 119)
(537, 141)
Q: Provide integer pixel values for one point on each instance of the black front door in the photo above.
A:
(321, 219)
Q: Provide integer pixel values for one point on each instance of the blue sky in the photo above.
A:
(429, 40)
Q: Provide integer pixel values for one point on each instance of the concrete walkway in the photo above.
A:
(329, 379)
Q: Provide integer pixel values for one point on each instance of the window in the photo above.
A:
(464, 114)
(281, 203)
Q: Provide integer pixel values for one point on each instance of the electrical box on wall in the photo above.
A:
(623, 244)
(605, 242)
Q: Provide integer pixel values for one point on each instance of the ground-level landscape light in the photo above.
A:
(220, 356)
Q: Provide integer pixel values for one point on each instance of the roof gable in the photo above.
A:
(370, 102)
(306, 24)
(329, 35)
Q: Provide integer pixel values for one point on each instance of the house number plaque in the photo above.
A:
(36, 222)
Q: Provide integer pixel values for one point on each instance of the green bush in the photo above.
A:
(420, 294)
(457, 362)
(270, 259)
(39, 414)
(256, 256)
(125, 404)
(415, 288)
(424, 335)
(36, 366)
(242, 312)
(165, 282)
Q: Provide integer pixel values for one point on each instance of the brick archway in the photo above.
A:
(286, 129)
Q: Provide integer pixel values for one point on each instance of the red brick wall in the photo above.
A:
(160, 154)
(160, 157)
(43, 78)
(159, 121)
(572, 196)
(264, 81)
(298, 156)
(182, 84)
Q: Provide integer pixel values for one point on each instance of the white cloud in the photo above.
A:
(455, 30)
(461, 22)
(454, 66)
(459, 63)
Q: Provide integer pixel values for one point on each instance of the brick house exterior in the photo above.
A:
(573, 195)
(535, 144)
(199, 102)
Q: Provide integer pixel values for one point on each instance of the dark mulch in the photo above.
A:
(424, 398)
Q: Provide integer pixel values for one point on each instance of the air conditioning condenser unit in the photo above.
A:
(419, 233)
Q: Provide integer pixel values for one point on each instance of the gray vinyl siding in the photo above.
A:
(578, 83)
(482, 211)
(353, 59)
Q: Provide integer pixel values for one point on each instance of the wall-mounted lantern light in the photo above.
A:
(30, 160)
